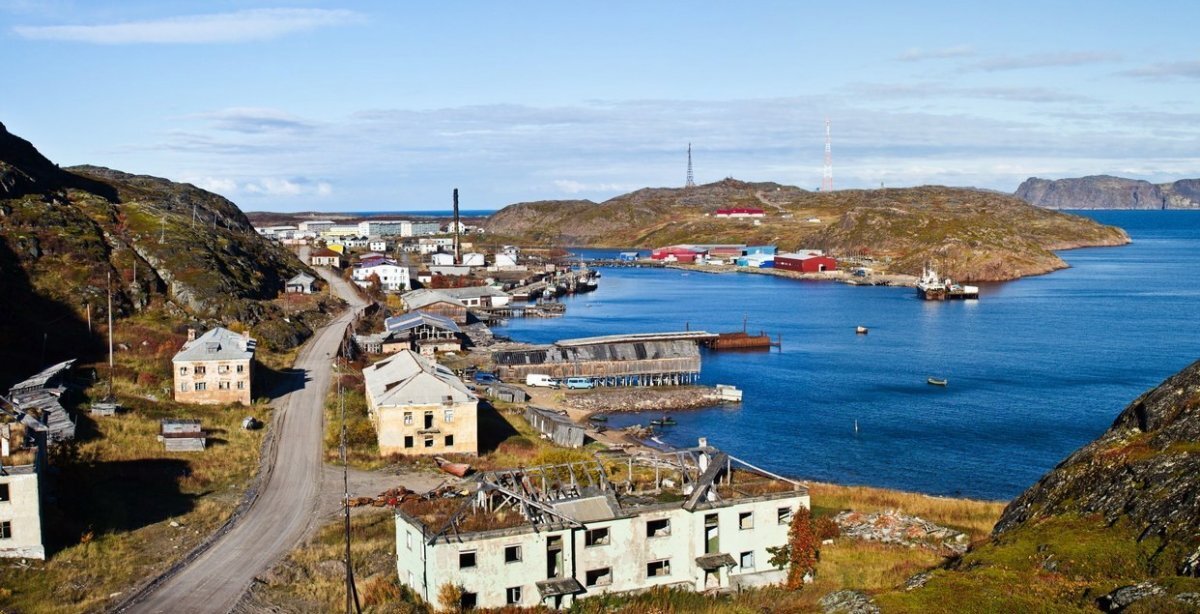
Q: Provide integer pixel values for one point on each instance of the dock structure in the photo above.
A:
(644, 359)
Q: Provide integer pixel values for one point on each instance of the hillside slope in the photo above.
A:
(64, 233)
(969, 234)
(1121, 512)
(1108, 192)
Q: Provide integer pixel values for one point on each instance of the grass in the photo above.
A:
(117, 494)
(975, 518)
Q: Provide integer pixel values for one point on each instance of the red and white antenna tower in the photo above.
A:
(827, 173)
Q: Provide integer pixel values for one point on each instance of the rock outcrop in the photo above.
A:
(1144, 471)
(1108, 192)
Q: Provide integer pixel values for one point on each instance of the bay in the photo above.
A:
(1036, 368)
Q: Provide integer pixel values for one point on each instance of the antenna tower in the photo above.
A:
(827, 173)
(691, 181)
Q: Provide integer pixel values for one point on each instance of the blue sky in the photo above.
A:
(390, 105)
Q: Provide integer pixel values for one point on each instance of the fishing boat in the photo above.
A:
(937, 381)
(598, 418)
(664, 421)
(861, 330)
(455, 469)
(932, 288)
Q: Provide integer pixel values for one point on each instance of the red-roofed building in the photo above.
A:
(740, 212)
(678, 253)
(322, 256)
(804, 263)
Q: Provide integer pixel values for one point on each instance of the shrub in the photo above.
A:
(825, 528)
(800, 553)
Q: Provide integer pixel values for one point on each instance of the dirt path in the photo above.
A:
(288, 501)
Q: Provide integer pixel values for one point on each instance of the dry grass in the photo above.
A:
(117, 492)
(976, 518)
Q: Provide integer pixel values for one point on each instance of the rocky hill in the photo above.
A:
(1107, 192)
(65, 232)
(1115, 526)
(968, 234)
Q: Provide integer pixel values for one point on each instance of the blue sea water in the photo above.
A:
(1036, 368)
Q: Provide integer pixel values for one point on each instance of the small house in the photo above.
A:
(422, 331)
(323, 256)
(479, 296)
(179, 435)
(506, 393)
(628, 256)
(377, 246)
(302, 283)
(555, 426)
(679, 253)
(435, 302)
(740, 212)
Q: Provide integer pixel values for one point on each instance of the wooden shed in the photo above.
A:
(180, 435)
(555, 426)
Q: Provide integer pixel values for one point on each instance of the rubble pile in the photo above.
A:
(892, 527)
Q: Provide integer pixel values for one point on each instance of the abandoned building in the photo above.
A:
(420, 407)
(427, 333)
(302, 283)
(181, 435)
(697, 519)
(215, 368)
(555, 426)
(650, 359)
(22, 460)
(40, 398)
(437, 303)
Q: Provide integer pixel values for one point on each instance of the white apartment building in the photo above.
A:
(316, 226)
(392, 277)
(385, 228)
(420, 229)
(20, 493)
(697, 519)
(420, 407)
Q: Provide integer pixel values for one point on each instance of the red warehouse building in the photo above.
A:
(805, 263)
(677, 253)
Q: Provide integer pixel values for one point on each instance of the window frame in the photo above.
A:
(743, 517)
(508, 595)
(513, 548)
(474, 559)
(742, 560)
(784, 515)
(5, 493)
(590, 542)
(587, 577)
(663, 564)
(666, 525)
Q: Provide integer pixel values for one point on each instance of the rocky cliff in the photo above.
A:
(65, 233)
(968, 234)
(1107, 192)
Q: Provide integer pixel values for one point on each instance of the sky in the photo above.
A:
(364, 106)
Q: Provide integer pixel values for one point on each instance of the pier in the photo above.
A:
(646, 359)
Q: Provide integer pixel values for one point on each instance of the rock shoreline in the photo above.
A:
(665, 399)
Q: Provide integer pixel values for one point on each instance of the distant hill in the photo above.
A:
(1107, 192)
(1114, 527)
(65, 232)
(968, 234)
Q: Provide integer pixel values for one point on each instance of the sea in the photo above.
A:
(1036, 367)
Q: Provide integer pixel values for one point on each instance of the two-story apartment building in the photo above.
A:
(420, 407)
(392, 277)
(214, 368)
(698, 519)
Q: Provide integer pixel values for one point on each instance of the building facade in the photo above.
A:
(323, 256)
(385, 228)
(420, 407)
(20, 492)
(579, 530)
(804, 263)
(392, 277)
(215, 368)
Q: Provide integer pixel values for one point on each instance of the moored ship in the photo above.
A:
(933, 288)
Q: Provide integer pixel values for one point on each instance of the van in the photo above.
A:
(574, 383)
(483, 377)
(540, 380)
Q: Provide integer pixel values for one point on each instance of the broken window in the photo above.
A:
(512, 595)
(468, 601)
(408, 441)
(201, 386)
(222, 369)
(785, 515)
(428, 419)
(6, 529)
(4, 495)
(746, 520)
(466, 559)
(200, 369)
(554, 556)
(241, 386)
(223, 385)
(449, 440)
(429, 442)
(241, 368)
(183, 387)
(512, 554)
(712, 536)
(658, 528)
(747, 560)
(596, 537)
(658, 569)
(183, 370)
(598, 577)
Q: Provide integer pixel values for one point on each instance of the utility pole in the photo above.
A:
(457, 244)
(352, 605)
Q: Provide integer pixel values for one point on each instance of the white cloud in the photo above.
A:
(220, 185)
(253, 120)
(1166, 70)
(570, 186)
(233, 27)
(1044, 60)
(276, 186)
(916, 54)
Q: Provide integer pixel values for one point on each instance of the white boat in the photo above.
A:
(728, 393)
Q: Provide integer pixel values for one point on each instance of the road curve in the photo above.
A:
(287, 503)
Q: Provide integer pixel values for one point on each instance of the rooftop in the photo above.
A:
(217, 344)
(425, 297)
(414, 319)
(405, 378)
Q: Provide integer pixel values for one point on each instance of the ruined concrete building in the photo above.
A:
(697, 518)
(215, 368)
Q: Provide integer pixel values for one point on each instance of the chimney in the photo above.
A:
(191, 335)
(5, 444)
(457, 255)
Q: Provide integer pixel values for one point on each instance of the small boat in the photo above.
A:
(728, 393)
(937, 381)
(455, 469)
(862, 330)
(664, 421)
(598, 418)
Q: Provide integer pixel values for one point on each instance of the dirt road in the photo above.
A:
(288, 500)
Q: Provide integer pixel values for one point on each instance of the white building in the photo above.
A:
(433, 245)
(478, 296)
(441, 259)
(377, 245)
(506, 260)
(392, 277)
(420, 229)
(385, 228)
(20, 491)
(697, 519)
(473, 259)
(316, 226)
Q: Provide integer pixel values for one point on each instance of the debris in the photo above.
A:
(848, 602)
(892, 527)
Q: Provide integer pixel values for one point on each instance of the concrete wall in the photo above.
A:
(23, 511)
(216, 372)
(391, 429)
(627, 554)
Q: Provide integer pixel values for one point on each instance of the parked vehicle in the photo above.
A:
(483, 377)
(578, 383)
(540, 380)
